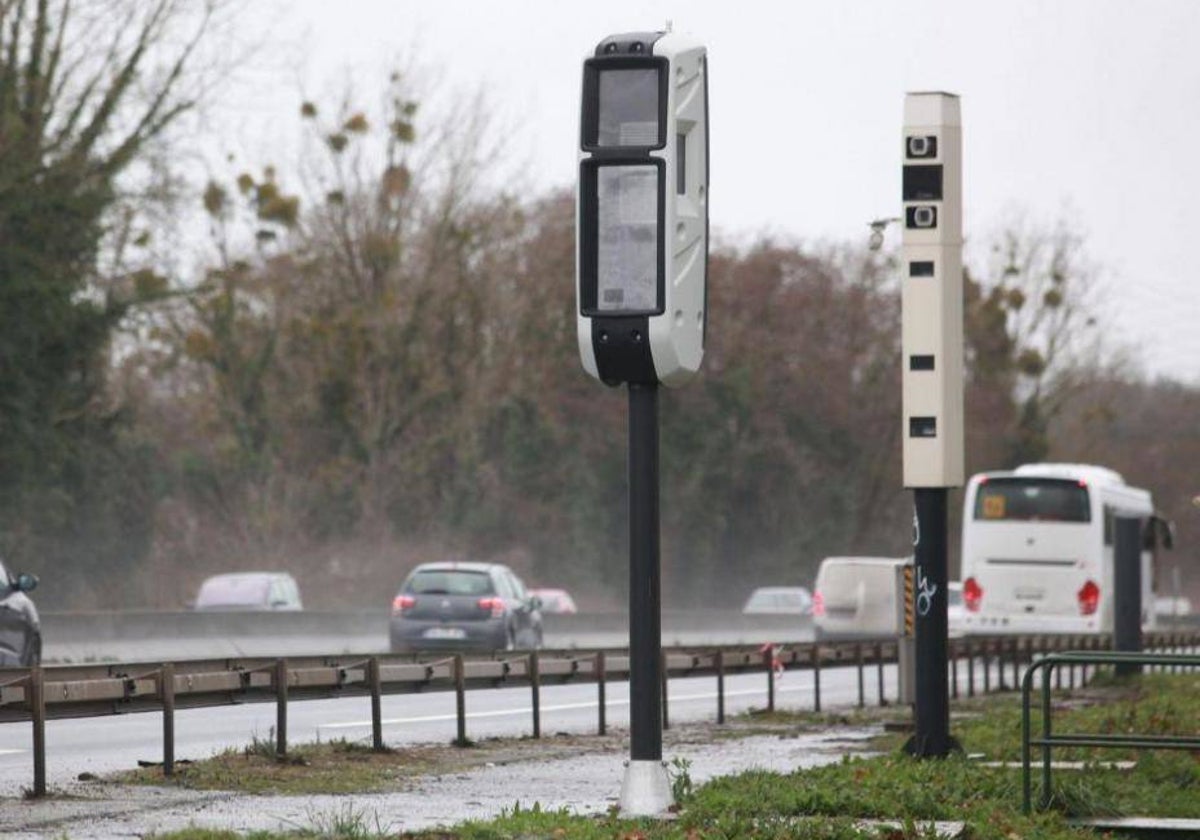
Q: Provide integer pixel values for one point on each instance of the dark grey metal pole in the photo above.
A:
(932, 703)
(645, 628)
(281, 707)
(1127, 591)
(166, 687)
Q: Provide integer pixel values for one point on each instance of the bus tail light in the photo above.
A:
(972, 594)
(1089, 598)
(818, 604)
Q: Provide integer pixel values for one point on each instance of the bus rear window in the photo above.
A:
(1032, 500)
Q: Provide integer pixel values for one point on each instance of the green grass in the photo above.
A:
(331, 767)
(825, 802)
(1154, 704)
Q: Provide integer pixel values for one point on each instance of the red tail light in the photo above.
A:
(496, 605)
(972, 594)
(401, 603)
(818, 605)
(1089, 598)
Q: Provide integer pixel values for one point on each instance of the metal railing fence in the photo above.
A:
(43, 693)
(1052, 662)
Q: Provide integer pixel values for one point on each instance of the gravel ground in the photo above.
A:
(584, 780)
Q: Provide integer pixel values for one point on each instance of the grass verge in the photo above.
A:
(351, 767)
(826, 802)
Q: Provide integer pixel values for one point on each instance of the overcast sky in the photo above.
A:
(1085, 110)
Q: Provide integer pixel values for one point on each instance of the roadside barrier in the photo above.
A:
(1174, 659)
(42, 693)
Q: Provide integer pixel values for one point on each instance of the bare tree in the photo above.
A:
(85, 88)
(1036, 327)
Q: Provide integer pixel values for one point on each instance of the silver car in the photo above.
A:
(249, 591)
(461, 606)
(779, 600)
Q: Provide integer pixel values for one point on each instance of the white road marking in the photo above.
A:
(559, 707)
(12, 752)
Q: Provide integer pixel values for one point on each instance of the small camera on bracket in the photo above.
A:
(922, 146)
(921, 216)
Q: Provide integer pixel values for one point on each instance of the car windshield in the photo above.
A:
(450, 582)
(233, 592)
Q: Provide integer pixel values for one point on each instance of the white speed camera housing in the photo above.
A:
(931, 297)
(642, 209)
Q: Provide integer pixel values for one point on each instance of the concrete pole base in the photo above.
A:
(646, 790)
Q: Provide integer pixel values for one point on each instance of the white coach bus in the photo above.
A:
(1037, 549)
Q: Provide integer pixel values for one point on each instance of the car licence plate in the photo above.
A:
(445, 633)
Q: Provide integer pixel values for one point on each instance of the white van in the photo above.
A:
(856, 598)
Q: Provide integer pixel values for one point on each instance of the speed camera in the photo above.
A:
(642, 209)
(931, 297)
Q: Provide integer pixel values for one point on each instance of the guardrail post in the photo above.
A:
(719, 661)
(601, 692)
(987, 666)
(1073, 643)
(166, 689)
(1016, 662)
(862, 692)
(662, 669)
(460, 700)
(376, 685)
(816, 666)
(1044, 646)
(768, 658)
(879, 672)
(954, 652)
(281, 710)
(37, 710)
(970, 668)
(1001, 680)
(535, 691)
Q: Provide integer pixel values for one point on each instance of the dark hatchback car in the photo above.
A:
(20, 627)
(461, 606)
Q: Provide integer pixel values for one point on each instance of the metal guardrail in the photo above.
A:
(42, 693)
(1047, 741)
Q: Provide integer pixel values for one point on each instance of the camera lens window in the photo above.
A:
(920, 217)
(627, 239)
(628, 107)
(922, 427)
(922, 146)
